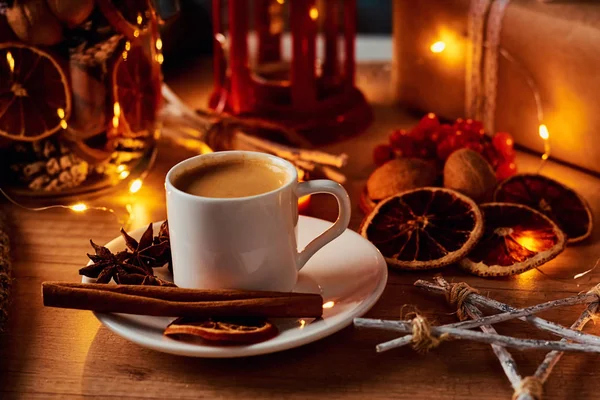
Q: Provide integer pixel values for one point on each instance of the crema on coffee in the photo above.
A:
(231, 179)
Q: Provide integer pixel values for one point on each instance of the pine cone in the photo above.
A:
(47, 165)
(92, 55)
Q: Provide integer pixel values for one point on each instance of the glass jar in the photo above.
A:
(79, 94)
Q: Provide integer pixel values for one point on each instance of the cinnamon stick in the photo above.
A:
(178, 294)
(178, 302)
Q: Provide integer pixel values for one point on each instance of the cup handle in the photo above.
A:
(340, 225)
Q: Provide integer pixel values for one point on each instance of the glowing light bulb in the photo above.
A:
(158, 44)
(438, 47)
(128, 45)
(313, 13)
(117, 114)
(61, 113)
(329, 304)
(10, 60)
(63, 124)
(135, 186)
(123, 174)
(281, 1)
(160, 58)
(121, 168)
(136, 33)
(139, 19)
(124, 56)
(544, 134)
(302, 323)
(79, 207)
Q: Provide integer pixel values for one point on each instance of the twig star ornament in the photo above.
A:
(424, 336)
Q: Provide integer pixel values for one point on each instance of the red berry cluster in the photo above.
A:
(430, 139)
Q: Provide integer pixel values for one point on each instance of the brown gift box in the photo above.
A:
(558, 44)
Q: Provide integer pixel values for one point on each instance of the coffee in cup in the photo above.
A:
(231, 179)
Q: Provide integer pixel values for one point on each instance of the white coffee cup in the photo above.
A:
(246, 242)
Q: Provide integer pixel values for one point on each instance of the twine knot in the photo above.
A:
(596, 291)
(456, 296)
(423, 340)
(530, 385)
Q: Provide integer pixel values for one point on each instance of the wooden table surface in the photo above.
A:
(56, 353)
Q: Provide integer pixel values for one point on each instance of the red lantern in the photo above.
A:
(317, 97)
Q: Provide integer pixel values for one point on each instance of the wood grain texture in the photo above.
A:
(55, 353)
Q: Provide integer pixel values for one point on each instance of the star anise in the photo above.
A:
(141, 279)
(107, 265)
(145, 253)
(163, 237)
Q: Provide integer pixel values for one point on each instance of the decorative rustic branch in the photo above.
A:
(222, 131)
(484, 302)
(460, 333)
(545, 368)
(5, 270)
(531, 387)
(424, 336)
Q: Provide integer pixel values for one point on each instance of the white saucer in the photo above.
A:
(349, 272)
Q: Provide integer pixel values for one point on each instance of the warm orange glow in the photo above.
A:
(160, 58)
(124, 174)
(139, 19)
(281, 1)
(303, 204)
(159, 44)
(437, 47)
(313, 13)
(127, 45)
(10, 60)
(79, 207)
(544, 134)
(121, 168)
(135, 186)
(117, 112)
(302, 323)
(329, 304)
(61, 114)
(530, 243)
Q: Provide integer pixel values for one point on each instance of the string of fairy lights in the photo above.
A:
(81, 207)
(440, 46)
(123, 172)
(136, 184)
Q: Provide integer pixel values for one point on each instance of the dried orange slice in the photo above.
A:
(228, 330)
(130, 18)
(558, 202)
(424, 228)
(34, 94)
(516, 238)
(136, 91)
(365, 203)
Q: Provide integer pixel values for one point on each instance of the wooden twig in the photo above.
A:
(545, 368)
(5, 271)
(485, 302)
(551, 359)
(458, 333)
(333, 174)
(227, 131)
(507, 362)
